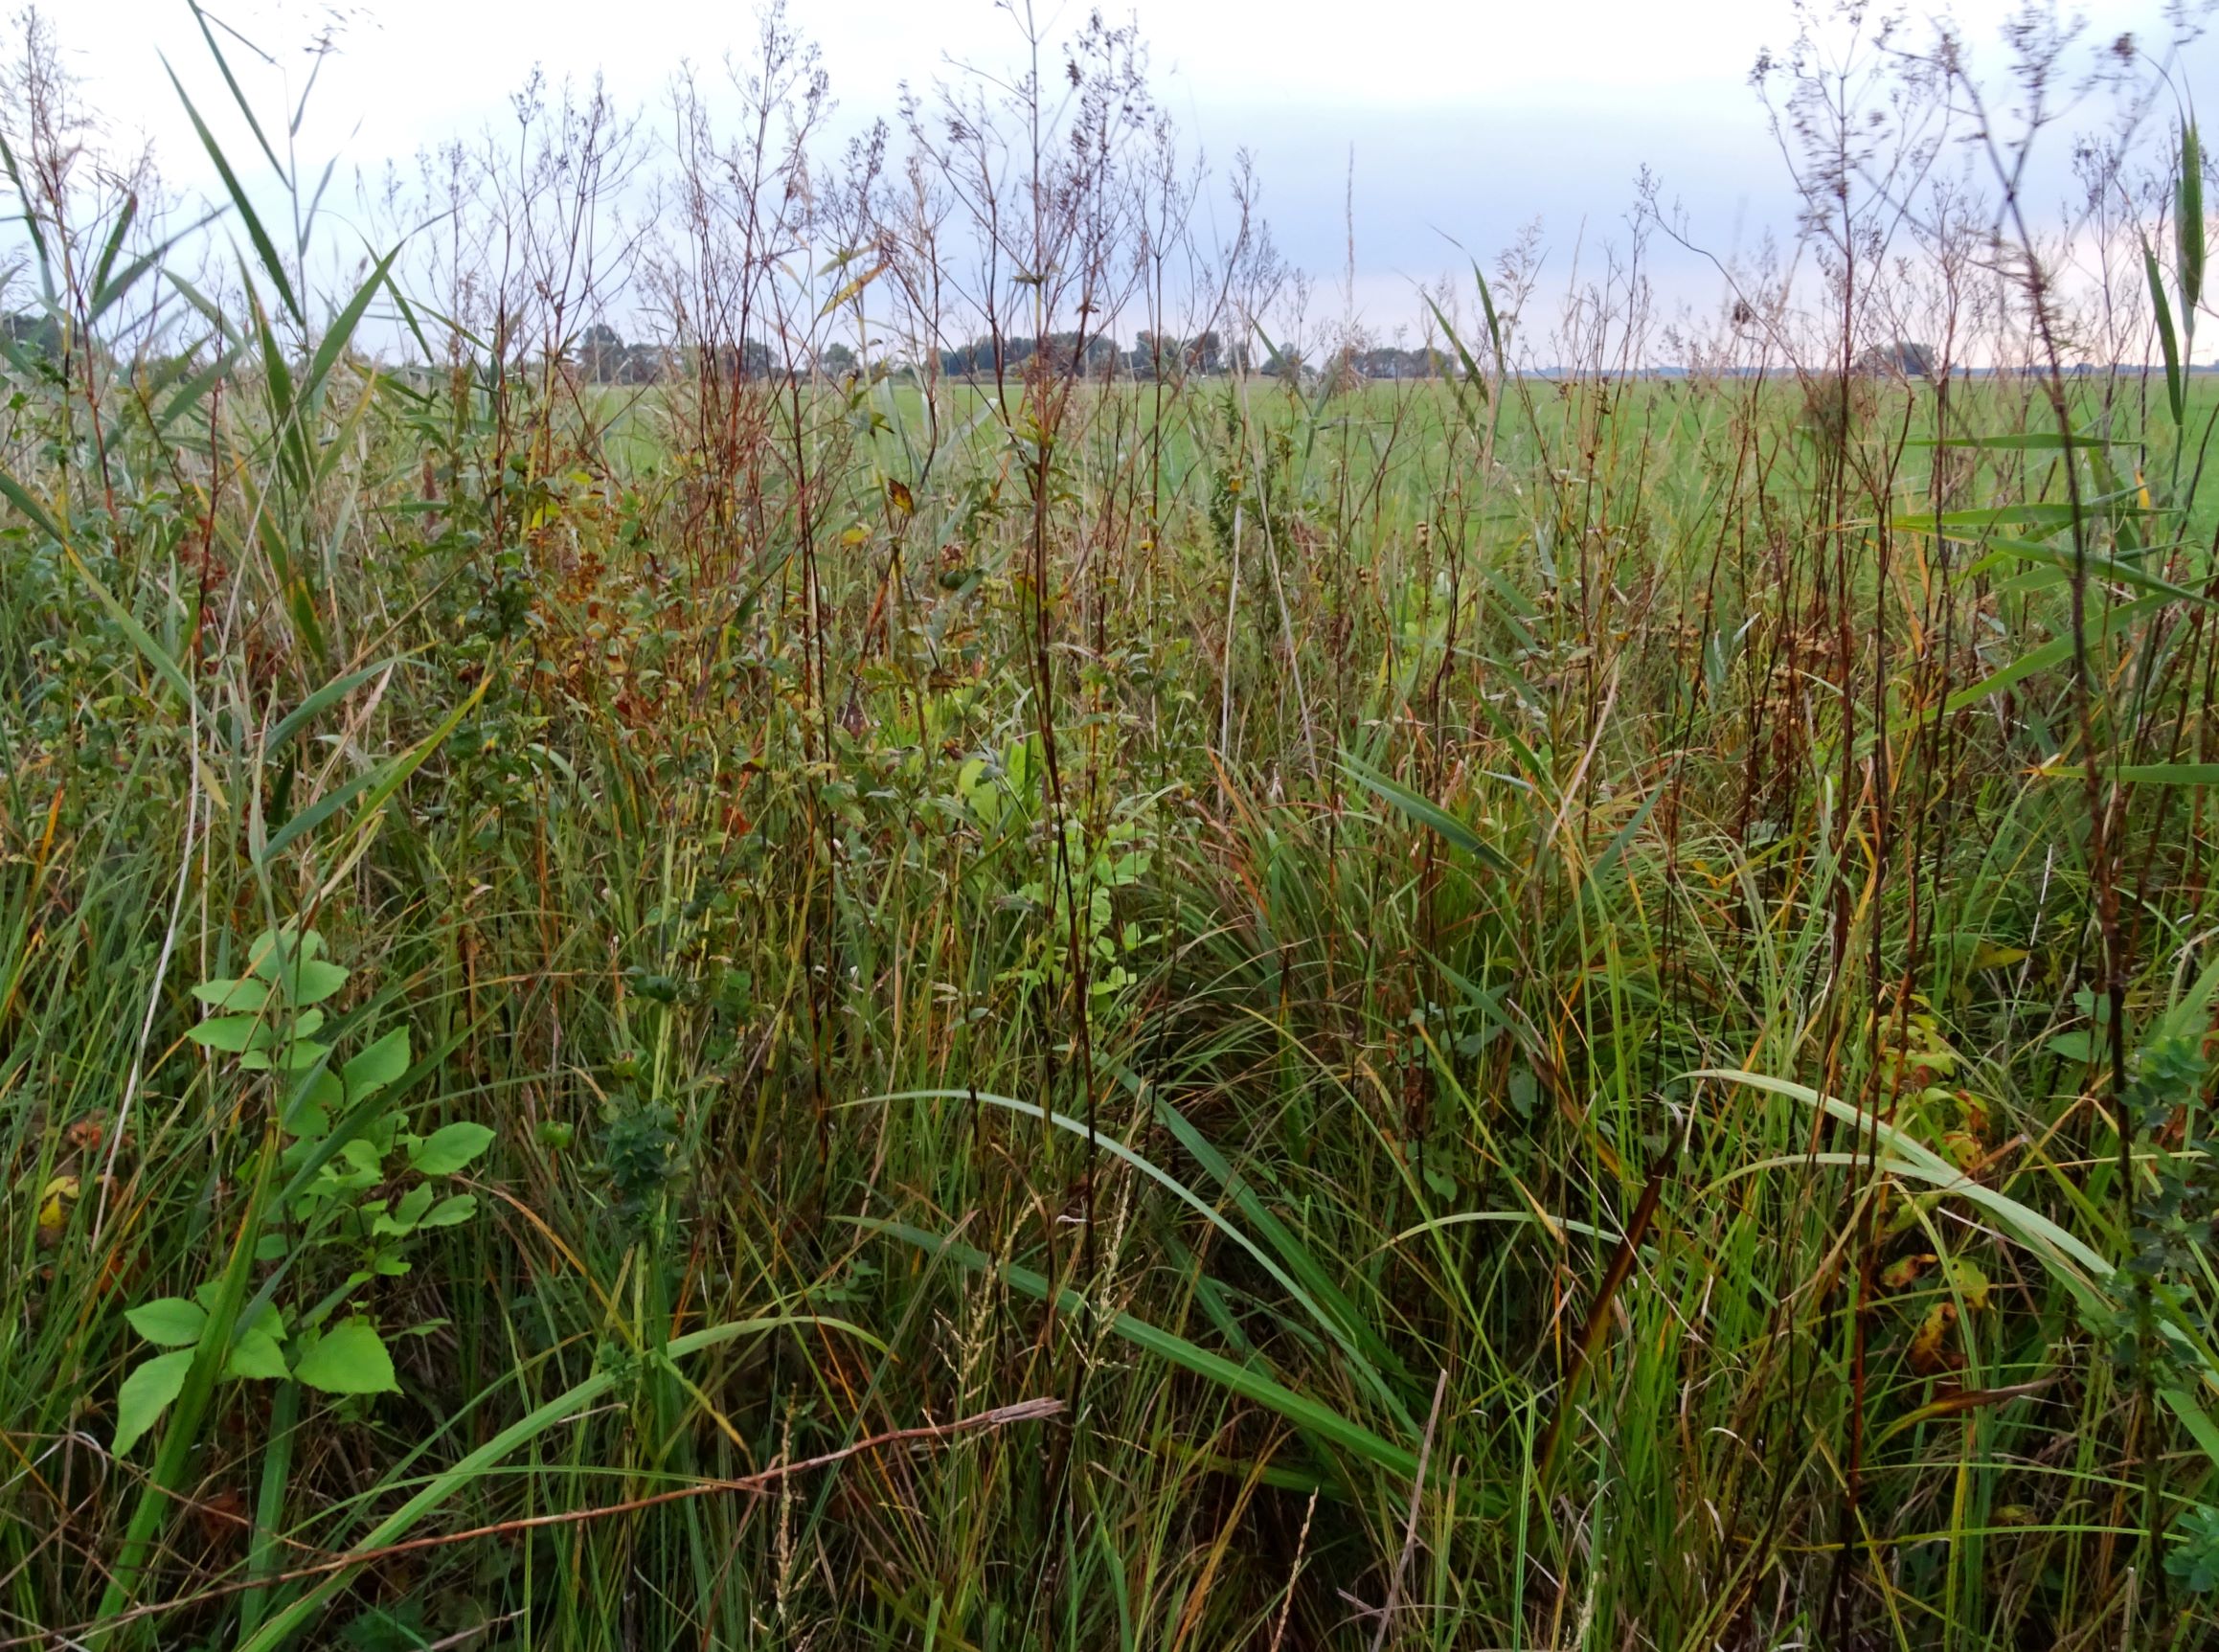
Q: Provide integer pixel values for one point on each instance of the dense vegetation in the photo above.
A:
(766, 1000)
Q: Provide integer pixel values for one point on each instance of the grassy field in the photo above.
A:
(1508, 1012)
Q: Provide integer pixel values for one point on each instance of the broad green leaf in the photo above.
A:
(378, 1066)
(312, 981)
(406, 1214)
(348, 1358)
(448, 1149)
(194, 1386)
(146, 1394)
(256, 1355)
(169, 1322)
(262, 1317)
(297, 1056)
(277, 951)
(311, 1114)
(240, 997)
(233, 1034)
(454, 1209)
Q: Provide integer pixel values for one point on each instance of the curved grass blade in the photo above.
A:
(1426, 813)
(525, 1429)
(1309, 1415)
(1342, 1337)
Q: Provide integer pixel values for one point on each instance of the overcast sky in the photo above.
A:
(1466, 118)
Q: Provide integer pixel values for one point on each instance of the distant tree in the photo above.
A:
(836, 360)
(37, 336)
(601, 353)
(1900, 358)
(640, 364)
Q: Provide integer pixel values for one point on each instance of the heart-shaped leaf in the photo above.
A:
(348, 1358)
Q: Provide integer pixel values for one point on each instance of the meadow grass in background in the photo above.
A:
(785, 1008)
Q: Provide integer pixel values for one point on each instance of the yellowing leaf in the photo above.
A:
(1929, 1349)
(1904, 1270)
(53, 1202)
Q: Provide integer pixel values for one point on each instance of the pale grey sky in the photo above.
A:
(1468, 119)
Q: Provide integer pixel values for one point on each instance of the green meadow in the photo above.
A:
(790, 1009)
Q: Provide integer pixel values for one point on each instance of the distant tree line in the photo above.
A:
(602, 356)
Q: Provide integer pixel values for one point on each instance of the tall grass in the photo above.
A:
(1510, 1010)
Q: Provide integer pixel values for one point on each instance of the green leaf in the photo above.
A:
(256, 1355)
(378, 1066)
(451, 1211)
(2095, 562)
(195, 390)
(1351, 1341)
(348, 1358)
(146, 1393)
(311, 1114)
(2167, 340)
(2170, 774)
(298, 1055)
(319, 702)
(2051, 654)
(169, 1322)
(263, 246)
(276, 951)
(447, 1150)
(342, 329)
(237, 996)
(312, 981)
(233, 1034)
(2019, 442)
(406, 1214)
(2188, 218)
(157, 1498)
(1426, 813)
